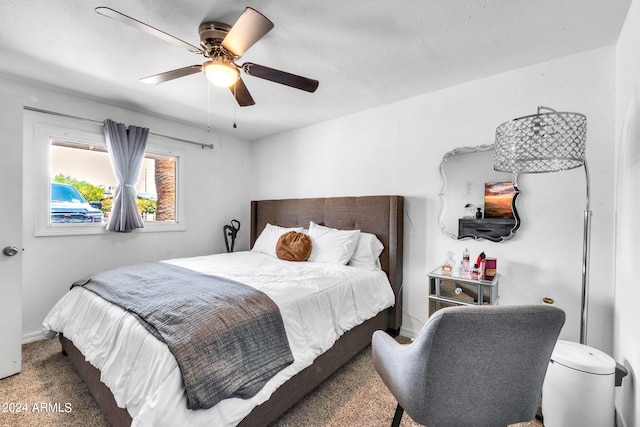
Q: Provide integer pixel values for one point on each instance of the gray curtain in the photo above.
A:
(126, 151)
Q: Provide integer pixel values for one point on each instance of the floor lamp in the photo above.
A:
(544, 142)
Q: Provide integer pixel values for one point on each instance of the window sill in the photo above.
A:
(82, 229)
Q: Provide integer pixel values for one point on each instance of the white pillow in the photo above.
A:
(268, 239)
(367, 253)
(332, 245)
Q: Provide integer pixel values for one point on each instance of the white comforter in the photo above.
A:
(318, 302)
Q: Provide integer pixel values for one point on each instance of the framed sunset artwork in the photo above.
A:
(498, 199)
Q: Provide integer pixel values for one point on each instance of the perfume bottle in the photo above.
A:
(475, 272)
(449, 264)
(465, 262)
(457, 271)
(469, 211)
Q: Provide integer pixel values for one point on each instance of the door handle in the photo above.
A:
(10, 251)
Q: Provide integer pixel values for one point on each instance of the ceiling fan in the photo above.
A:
(223, 45)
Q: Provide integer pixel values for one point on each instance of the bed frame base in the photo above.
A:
(118, 417)
(286, 396)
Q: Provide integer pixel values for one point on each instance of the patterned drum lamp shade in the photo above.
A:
(540, 143)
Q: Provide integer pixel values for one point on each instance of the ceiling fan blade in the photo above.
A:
(241, 93)
(248, 29)
(173, 74)
(114, 14)
(282, 77)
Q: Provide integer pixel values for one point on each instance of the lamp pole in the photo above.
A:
(586, 247)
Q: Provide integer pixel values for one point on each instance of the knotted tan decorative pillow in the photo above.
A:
(293, 246)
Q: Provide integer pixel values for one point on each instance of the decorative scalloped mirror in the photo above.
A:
(469, 185)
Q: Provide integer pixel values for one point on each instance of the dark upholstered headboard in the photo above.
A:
(380, 215)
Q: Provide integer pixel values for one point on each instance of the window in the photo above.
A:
(76, 191)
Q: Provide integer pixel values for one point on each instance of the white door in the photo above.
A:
(11, 113)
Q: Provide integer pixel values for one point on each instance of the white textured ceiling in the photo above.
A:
(364, 53)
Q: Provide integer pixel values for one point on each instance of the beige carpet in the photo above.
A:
(48, 392)
(47, 385)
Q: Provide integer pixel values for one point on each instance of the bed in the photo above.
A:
(379, 215)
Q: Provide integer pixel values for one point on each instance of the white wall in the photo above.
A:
(217, 185)
(397, 149)
(627, 289)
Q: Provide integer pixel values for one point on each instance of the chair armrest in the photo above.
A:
(395, 363)
(399, 357)
(381, 339)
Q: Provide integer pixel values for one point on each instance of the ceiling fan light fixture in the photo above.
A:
(220, 72)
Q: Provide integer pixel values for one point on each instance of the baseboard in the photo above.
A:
(32, 336)
(408, 332)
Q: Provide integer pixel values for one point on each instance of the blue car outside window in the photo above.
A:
(63, 193)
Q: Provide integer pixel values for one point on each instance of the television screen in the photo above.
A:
(498, 197)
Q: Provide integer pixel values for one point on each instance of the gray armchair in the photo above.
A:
(471, 365)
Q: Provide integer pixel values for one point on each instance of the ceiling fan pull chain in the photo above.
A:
(235, 107)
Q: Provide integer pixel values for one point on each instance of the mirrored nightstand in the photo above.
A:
(447, 290)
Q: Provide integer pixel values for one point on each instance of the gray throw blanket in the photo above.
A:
(228, 338)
